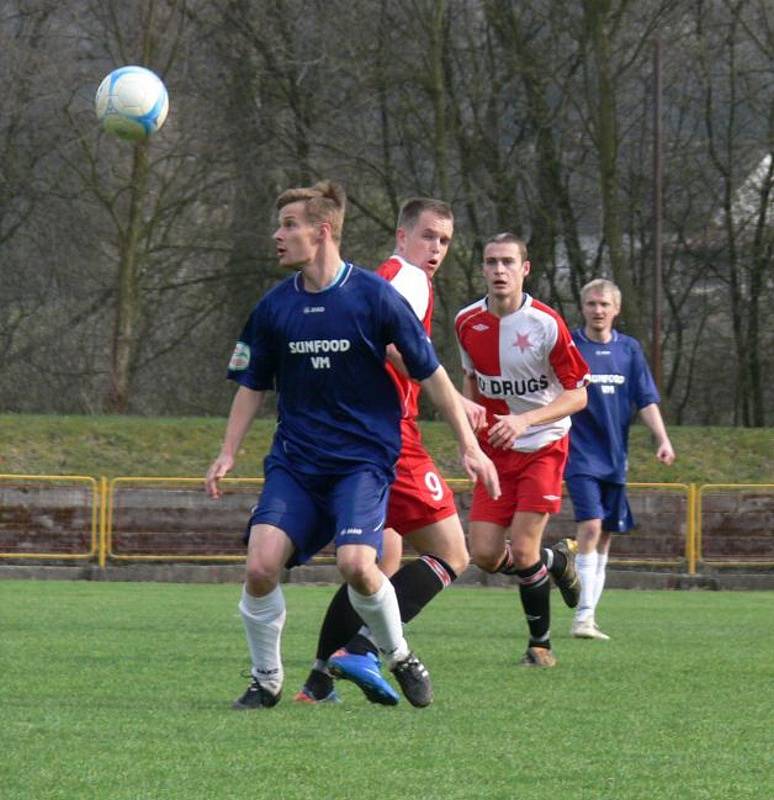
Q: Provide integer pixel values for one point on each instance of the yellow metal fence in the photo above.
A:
(140, 518)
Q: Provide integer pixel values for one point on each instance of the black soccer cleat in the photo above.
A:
(414, 680)
(568, 582)
(256, 696)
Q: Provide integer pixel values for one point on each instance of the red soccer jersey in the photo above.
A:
(520, 362)
(415, 286)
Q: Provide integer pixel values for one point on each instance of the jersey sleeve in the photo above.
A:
(568, 364)
(405, 331)
(253, 362)
(644, 391)
(465, 359)
(410, 282)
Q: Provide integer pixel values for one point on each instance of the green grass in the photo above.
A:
(119, 691)
(184, 447)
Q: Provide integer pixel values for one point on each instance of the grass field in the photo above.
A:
(121, 691)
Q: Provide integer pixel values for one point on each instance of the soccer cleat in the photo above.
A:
(414, 680)
(364, 671)
(587, 629)
(538, 657)
(256, 696)
(305, 695)
(568, 582)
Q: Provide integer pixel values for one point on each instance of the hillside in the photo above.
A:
(184, 447)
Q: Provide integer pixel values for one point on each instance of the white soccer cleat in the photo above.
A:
(587, 629)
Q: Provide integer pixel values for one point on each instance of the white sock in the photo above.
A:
(599, 583)
(381, 613)
(264, 618)
(586, 565)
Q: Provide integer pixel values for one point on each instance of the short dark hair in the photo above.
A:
(412, 209)
(509, 238)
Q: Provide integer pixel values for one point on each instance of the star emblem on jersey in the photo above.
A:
(522, 342)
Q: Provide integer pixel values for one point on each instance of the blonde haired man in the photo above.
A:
(596, 469)
(320, 339)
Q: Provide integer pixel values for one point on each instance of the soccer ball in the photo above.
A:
(132, 103)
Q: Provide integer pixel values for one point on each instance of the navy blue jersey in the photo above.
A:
(324, 353)
(621, 382)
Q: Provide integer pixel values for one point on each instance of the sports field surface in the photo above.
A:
(123, 690)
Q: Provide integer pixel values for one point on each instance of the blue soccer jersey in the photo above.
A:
(621, 382)
(324, 353)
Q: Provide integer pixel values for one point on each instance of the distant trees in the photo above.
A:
(127, 270)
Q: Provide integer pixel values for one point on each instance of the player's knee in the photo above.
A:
(485, 558)
(260, 577)
(359, 570)
(458, 560)
(524, 554)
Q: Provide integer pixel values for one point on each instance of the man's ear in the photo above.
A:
(325, 231)
(400, 240)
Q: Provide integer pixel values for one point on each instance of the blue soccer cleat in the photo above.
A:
(364, 671)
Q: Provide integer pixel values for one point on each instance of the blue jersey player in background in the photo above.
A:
(319, 339)
(596, 469)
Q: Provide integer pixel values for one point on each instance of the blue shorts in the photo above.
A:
(315, 510)
(595, 499)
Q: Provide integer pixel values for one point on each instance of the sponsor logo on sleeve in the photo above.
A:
(240, 358)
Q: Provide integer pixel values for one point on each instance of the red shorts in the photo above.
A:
(419, 496)
(529, 482)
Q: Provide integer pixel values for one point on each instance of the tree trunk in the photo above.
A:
(128, 302)
(596, 13)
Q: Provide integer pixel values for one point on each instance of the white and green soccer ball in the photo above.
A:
(132, 103)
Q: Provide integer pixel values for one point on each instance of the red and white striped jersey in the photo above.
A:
(415, 286)
(520, 362)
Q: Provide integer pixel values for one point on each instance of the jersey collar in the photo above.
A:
(582, 335)
(342, 275)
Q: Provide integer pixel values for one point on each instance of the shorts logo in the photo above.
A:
(552, 497)
(351, 532)
(240, 358)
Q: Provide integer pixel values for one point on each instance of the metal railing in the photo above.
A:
(151, 518)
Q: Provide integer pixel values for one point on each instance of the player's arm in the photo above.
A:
(475, 412)
(246, 404)
(651, 416)
(448, 401)
(509, 427)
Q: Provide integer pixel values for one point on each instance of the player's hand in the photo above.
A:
(221, 466)
(506, 430)
(480, 468)
(475, 413)
(665, 454)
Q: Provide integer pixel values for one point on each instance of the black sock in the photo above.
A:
(534, 590)
(416, 584)
(360, 645)
(319, 684)
(340, 624)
